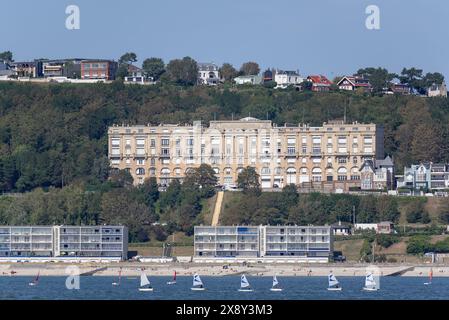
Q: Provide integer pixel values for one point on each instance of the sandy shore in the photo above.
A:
(188, 269)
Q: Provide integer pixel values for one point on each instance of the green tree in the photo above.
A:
(413, 77)
(248, 180)
(250, 68)
(6, 56)
(123, 64)
(433, 78)
(204, 178)
(367, 212)
(183, 71)
(379, 78)
(289, 197)
(228, 72)
(121, 178)
(153, 67)
(150, 192)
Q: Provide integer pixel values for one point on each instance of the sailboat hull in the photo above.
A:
(334, 289)
(245, 290)
(276, 289)
(32, 284)
(145, 289)
(171, 282)
(115, 284)
(369, 289)
(197, 289)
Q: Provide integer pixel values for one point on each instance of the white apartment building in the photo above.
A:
(263, 243)
(73, 242)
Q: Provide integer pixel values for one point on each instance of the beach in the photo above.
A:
(132, 269)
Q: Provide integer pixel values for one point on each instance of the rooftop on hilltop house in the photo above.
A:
(399, 88)
(135, 75)
(208, 73)
(319, 83)
(437, 90)
(341, 229)
(254, 79)
(285, 78)
(377, 174)
(352, 83)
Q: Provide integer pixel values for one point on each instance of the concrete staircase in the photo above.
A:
(217, 209)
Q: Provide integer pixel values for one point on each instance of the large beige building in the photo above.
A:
(325, 157)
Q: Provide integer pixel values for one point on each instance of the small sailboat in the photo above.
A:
(119, 278)
(430, 278)
(370, 284)
(244, 284)
(334, 285)
(197, 283)
(275, 286)
(174, 279)
(35, 281)
(145, 283)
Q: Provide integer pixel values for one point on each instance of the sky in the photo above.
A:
(315, 37)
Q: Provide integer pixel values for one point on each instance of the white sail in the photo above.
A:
(144, 280)
(197, 281)
(369, 281)
(244, 282)
(275, 281)
(332, 280)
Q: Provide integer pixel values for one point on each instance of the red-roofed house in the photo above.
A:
(352, 83)
(319, 83)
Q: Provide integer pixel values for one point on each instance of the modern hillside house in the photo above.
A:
(208, 74)
(327, 157)
(63, 242)
(263, 243)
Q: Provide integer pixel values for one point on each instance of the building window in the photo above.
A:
(140, 171)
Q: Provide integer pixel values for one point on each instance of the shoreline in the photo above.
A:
(188, 269)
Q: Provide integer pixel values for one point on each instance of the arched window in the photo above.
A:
(316, 174)
(291, 170)
(342, 174)
(217, 171)
(342, 170)
(278, 170)
(165, 171)
(152, 171)
(227, 170)
(140, 171)
(177, 171)
(239, 170)
(265, 170)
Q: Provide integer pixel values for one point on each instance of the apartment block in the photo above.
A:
(301, 243)
(98, 69)
(64, 241)
(329, 155)
(426, 176)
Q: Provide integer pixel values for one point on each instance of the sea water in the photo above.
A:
(221, 288)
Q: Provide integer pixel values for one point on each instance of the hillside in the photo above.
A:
(55, 134)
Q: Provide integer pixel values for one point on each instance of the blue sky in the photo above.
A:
(327, 36)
